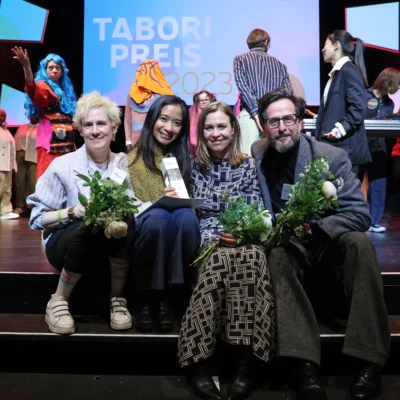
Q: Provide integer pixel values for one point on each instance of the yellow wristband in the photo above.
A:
(59, 217)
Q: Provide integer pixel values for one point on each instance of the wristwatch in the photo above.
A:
(71, 214)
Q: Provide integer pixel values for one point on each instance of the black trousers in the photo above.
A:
(75, 248)
(350, 268)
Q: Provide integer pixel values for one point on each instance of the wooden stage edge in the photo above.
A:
(22, 250)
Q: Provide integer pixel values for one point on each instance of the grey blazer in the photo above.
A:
(353, 211)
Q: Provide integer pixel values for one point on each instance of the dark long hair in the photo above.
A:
(179, 148)
(351, 47)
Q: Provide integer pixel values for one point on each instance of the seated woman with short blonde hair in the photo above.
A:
(57, 211)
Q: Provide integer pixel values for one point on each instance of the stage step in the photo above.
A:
(27, 346)
(88, 328)
(92, 328)
(29, 292)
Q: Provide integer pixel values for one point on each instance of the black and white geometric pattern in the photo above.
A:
(233, 297)
(221, 178)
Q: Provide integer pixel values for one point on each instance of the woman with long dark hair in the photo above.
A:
(166, 241)
(341, 114)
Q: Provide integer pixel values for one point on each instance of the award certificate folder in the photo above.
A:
(171, 204)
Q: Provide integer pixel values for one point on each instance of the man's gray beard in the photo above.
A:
(284, 148)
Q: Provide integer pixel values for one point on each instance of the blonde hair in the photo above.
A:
(235, 155)
(93, 100)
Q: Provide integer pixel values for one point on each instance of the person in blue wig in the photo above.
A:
(51, 96)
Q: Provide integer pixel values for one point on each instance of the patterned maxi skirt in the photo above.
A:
(233, 297)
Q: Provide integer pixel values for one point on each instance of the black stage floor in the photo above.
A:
(101, 387)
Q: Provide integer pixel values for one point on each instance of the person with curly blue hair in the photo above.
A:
(51, 97)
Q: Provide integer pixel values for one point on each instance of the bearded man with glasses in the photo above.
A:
(337, 253)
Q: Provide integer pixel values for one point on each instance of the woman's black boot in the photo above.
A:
(242, 384)
(144, 321)
(165, 316)
(201, 381)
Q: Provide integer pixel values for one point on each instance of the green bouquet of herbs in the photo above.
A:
(108, 206)
(310, 200)
(244, 221)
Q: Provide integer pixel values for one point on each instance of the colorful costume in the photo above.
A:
(25, 144)
(55, 135)
(7, 165)
(148, 85)
(194, 115)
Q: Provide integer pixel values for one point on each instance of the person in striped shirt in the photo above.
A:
(256, 73)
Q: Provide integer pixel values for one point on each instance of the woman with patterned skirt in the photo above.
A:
(51, 98)
(233, 295)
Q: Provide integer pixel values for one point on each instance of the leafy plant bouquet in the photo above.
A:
(108, 206)
(242, 220)
(310, 200)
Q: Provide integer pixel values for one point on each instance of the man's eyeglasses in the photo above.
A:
(288, 120)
